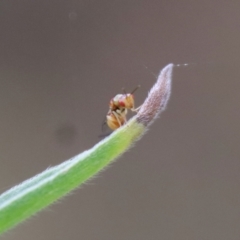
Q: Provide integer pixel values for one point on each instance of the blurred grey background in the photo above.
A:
(60, 64)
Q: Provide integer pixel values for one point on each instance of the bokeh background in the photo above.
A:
(60, 64)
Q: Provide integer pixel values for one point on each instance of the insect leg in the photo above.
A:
(136, 109)
(117, 117)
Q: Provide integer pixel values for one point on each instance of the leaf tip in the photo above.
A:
(157, 98)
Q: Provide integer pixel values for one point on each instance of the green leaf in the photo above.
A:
(34, 194)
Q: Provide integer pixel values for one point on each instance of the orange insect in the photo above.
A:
(118, 108)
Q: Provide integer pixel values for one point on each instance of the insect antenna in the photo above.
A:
(124, 91)
(134, 90)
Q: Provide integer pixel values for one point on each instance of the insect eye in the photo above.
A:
(121, 103)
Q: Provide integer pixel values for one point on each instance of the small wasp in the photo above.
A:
(118, 108)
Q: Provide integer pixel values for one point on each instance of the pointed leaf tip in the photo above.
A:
(157, 98)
